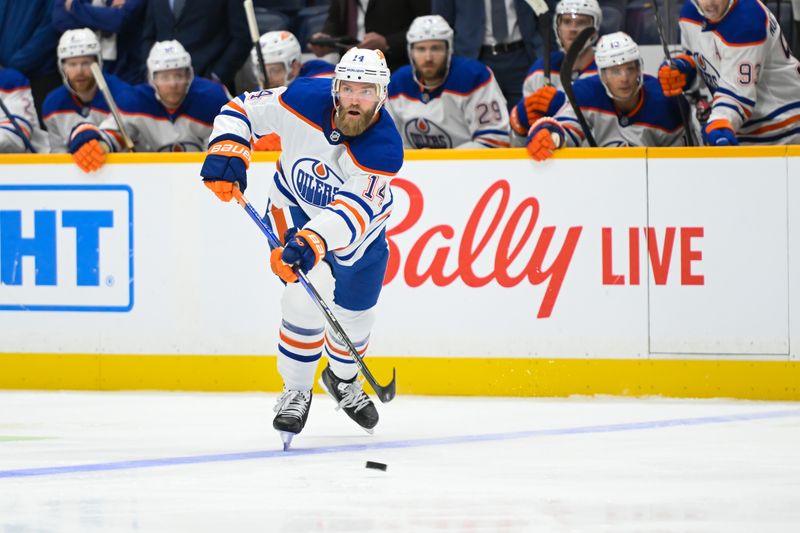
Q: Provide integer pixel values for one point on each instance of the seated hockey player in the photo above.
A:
(740, 52)
(622, 106)
(329, 201)
(540, 100)
(173, 113)
(444, 101)
(78, 100)
(19, 125)
(281, 52)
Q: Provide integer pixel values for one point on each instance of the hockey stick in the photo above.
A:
(112, 105)
(566, 79)
(545, 27)
(385, 394)
(252, 24)
(20, 132)
(687, 124)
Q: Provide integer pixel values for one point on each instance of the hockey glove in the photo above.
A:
(720, 132)
(537, 105)
(87, 147)
(303, 250)
(545, 137)
(674, 79)
(268, 143)
(226, 164)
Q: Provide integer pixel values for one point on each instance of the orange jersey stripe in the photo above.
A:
(352, 210)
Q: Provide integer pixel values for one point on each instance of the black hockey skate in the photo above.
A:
(292, 409)
(351, 398)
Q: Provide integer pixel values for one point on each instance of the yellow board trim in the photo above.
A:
(441, 155)
(755, 380)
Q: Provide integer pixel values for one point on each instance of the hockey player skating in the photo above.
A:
(445, 101)
(742, 55)
(19, 125)
(623, 106)
(78, 101)
(173, 113)
(282, 54)
(542, 100)
(330, 199)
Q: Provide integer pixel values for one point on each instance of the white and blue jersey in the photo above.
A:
(341, 183)
(746, 63)
(62, 111)
(15, 91)
(655, 121)
(154, 128)
(467, 111)
(534, 80)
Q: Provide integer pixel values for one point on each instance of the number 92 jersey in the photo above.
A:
(747, 65)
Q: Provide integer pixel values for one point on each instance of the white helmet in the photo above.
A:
(77, 43)
(276, 47)
(429, 28)
(700, 10)
(616, 49)
(168, 55)
(579, 7)
(365, 66)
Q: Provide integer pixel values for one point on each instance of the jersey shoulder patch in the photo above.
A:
(466, 75)
(310, 98)
(745, 24)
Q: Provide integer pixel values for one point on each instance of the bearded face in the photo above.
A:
(357, 105)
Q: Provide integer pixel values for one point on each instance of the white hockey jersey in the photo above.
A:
(62, 111)
(534, 80)
(154, 128)
(747, 65)
(15, 91)
(340, 182)
(467, 111)
(656, 120)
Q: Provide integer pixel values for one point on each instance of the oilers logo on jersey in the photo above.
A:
(314, 181)
(424, 133)
(708, 71)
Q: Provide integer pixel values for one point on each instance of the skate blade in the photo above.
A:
(286, 437)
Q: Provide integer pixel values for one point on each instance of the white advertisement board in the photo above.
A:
(574, 258)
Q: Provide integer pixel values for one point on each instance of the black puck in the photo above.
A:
(376, 466)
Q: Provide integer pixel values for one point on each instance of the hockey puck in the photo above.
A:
(376, 466)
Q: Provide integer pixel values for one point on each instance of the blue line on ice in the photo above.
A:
(411, 443)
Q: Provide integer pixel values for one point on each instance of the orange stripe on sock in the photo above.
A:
(301, 345)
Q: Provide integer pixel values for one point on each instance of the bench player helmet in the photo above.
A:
(579, 7)
(617, 49)
(429, 28)
(276, 47)
(77, 43)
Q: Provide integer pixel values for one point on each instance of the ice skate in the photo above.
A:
(351, 398)
(292, 408)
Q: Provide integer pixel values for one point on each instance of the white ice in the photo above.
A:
(173, 462)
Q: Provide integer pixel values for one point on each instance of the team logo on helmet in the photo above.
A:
(424, 133)
(314, 181)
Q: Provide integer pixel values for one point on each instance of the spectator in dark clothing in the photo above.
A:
(214, 32)
(508, 43)
(28, 44)
(120, 25)
(375, 24)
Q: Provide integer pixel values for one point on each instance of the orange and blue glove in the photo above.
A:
(545, 137)
(674, 79)
(88, 147)
(544, 102)
(302, 251)
(720, 132)
(225, 165)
